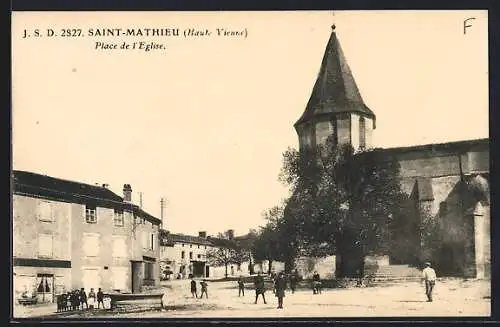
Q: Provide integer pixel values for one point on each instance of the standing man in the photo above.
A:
(280, 286)
(241, 286)
(429, 277)
(259, 287)
(194, 292)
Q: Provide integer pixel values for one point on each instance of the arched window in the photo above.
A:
(362, 133)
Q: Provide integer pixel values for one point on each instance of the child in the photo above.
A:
(100, 299)
(194, 292)
(204, 288)
(91, 298)
(241, 286)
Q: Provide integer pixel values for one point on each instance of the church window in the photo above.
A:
(362, 133)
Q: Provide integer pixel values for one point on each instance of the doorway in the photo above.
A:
(45, 288)
(207, 271)
(136, 276)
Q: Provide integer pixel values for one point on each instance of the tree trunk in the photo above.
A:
(289, 265)
(269, 268)
(250, 266)
(226, 269)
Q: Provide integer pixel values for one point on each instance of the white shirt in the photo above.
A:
(429, 274)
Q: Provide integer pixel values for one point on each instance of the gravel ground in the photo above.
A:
(452, 297)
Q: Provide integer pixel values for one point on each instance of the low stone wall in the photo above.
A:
(135, 302)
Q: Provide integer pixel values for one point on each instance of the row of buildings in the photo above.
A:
(68, 235)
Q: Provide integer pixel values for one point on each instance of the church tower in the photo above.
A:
(335, 106)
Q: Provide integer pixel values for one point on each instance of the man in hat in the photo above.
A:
(429, 277)
(279, 289)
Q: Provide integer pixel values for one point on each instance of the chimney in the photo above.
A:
(127, 193)
(230, 234)
(105, 185)
(202, 234)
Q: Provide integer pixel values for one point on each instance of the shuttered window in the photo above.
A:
(45, 245)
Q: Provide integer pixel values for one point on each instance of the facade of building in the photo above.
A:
(185, 255)
(68, 235)
(447, 183)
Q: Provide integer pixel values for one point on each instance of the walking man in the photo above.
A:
(204, 289)
(259, 287)
(100, 299)
(280, 286)
(241, 286)
(194, 292)
(429, 277)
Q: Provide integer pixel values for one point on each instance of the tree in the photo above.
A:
(265, 246)
(244, 249)
(274, 239)
(341, 201)
(229, 251)
(219, 257)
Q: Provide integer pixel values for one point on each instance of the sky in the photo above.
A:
(204, 123)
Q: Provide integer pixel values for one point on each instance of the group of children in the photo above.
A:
(78, 299)
(203, 285)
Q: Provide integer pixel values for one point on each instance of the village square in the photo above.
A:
(365, 232)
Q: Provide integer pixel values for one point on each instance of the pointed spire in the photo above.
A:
(335, 90)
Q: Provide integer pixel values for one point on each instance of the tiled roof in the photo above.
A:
(33, 184)
(169, 239)
(335, 90)
(181, 238)
(42, 185)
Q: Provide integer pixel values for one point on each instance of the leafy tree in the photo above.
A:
(228, 251)
(342, 201)
(245, 245)
(218, 257)
(267, 244)
(238, 255)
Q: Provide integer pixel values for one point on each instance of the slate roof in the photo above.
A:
(335, 90)
(43, 186)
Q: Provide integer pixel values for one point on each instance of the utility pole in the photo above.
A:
(162, 207)
(140, 200)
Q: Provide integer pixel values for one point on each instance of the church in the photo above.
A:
(447, 183)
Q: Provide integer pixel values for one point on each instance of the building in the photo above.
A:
(185, 255)
(68, 235)
(448, 183)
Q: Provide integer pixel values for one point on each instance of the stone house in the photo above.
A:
(184, 255)
(68, 235)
